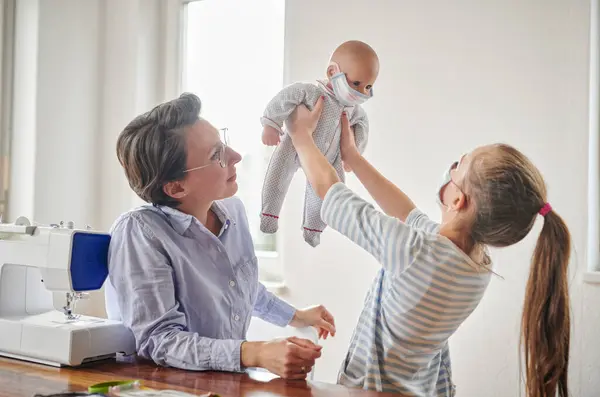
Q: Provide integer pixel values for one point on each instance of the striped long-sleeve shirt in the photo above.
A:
(424, 291)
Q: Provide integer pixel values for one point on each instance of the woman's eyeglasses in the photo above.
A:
(220, 155)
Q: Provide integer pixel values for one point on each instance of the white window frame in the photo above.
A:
(269, 262)
(593, 240)
(7, 25)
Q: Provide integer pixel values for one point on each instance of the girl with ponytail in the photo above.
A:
(434, 275)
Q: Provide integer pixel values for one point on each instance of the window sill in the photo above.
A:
(276, 287)
(270, 272)
(591, 277)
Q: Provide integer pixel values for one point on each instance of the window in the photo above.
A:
(233, 60)
(594, 150)
(6, 45)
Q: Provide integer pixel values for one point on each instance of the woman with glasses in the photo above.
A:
(183, 274)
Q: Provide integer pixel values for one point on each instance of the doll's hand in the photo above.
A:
(270, 136)
(346, 166)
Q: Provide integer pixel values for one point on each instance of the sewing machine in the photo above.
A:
(44, 271)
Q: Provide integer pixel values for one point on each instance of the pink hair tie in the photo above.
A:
(545, 209)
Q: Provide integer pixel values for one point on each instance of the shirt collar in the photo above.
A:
(181, 221)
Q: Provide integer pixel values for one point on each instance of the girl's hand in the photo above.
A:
(317, 317)
(347, 144)
(303, 122)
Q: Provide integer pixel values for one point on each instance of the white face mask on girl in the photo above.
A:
(446, 179)
(343, 92)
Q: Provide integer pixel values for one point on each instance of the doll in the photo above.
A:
(351, 73)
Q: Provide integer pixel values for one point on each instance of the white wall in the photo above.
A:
(68, 99)
(454, 75)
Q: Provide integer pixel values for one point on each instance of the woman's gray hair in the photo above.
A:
(152, 148)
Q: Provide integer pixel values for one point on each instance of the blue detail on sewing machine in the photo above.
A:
(89, 261)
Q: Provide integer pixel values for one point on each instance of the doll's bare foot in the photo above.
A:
(269, 223)
(270, 136)
(312, 237)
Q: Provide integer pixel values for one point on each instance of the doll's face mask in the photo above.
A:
(343, 92)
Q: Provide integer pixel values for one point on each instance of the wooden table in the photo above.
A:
(20, 378)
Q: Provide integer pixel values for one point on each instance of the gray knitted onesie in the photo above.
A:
(284, 162)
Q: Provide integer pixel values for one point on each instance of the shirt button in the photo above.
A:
(232, 283)
(236, 318)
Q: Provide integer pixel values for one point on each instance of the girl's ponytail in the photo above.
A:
(545, 324)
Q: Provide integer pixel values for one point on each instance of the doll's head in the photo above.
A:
(352, 71)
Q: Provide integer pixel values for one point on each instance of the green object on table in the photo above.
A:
(106, 386)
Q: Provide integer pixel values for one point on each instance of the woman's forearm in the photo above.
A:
(320, 174)
(387, 195)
